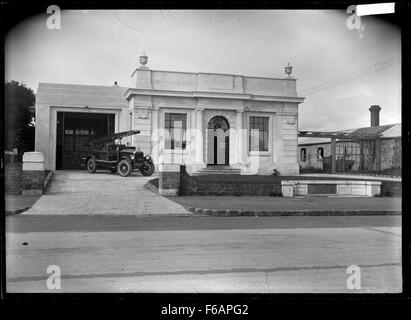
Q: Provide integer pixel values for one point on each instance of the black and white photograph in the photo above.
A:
(253, 151)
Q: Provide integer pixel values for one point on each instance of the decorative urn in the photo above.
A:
(288, 70)
(143, 60)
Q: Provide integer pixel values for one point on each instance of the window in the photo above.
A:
(175, 125)
(303, 154)
(258, 134)
(320, 153)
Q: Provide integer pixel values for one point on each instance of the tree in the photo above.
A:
(18, 120)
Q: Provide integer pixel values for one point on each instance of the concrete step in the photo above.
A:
(219, 170)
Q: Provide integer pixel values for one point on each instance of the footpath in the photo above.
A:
(279, 206)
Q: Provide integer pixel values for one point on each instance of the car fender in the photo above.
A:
(124, 158)
(86, 158)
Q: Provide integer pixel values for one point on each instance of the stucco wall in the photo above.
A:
(186, 81)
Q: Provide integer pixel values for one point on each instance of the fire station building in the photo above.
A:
(200, 120)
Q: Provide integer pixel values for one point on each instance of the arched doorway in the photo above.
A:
(218, 145)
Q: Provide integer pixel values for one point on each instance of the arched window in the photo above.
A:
(320, 153)
(218, 123)
(303, 154)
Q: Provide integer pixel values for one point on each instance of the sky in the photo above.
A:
(329, 59)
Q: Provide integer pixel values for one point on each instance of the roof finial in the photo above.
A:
(143, 60)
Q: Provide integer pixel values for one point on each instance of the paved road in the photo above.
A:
(102, 193)
(204, 254)
(21, 223)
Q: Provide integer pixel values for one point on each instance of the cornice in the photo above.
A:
(214, 95)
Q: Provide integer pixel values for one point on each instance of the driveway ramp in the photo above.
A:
(102, 193)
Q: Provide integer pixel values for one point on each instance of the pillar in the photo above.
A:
(287, 188)
(155, 137)
(33, 173)
(240, 137)
(168, 179)
(333, 153)
(199, 140)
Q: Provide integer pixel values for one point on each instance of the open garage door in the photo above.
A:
(73, 131)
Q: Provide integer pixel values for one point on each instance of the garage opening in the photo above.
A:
(74, 129)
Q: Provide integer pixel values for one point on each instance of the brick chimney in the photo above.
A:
(375, 115)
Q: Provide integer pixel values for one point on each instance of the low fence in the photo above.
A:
(230, 184)
(258, 185)
(25, 175)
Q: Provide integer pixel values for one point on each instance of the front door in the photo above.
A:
(218, 134)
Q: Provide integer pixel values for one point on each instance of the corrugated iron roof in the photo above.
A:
(369, 131)
(307, 141)
(385, 131)
(393, 132)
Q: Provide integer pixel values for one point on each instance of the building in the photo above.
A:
(196, 119)
(369, 149)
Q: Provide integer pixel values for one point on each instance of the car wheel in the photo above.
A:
(91, 165)
(124, 168)
(147, 168)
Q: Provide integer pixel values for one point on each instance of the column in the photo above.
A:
(240, 137)
(154, 135)
(199, 154)
(333, 154)
(33, 176)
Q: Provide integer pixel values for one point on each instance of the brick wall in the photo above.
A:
(258, 185)
(169, 180)
(13, 178)
(33, 180)
(229, 185)
(391, 189)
